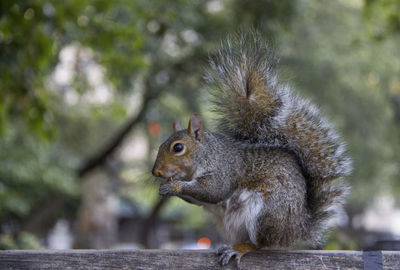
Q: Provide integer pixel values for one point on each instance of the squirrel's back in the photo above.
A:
(254, 107)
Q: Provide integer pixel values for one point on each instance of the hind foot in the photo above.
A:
(227, 252)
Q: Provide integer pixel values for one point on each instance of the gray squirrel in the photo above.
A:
(267, 173)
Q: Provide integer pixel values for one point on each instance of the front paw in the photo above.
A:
(169, 189)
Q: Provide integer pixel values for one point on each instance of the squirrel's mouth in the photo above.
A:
(176, 177)
(169, 179)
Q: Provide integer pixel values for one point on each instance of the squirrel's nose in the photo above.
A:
(157, 172)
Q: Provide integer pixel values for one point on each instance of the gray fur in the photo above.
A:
(321, 152)
(267, 174)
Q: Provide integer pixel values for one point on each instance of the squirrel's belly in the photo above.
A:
(239, 216)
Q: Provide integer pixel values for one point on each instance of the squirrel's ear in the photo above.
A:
(195, 128)
(177, 125)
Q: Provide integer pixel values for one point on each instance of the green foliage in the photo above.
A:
(337, 240)
(23, 240)
(30, 40)
(30, 170)
(383, 17)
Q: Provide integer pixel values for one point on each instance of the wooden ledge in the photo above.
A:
(192, 259)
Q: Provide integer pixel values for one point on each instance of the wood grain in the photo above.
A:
(187, 260)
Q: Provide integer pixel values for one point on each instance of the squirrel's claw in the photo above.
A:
(225, 254)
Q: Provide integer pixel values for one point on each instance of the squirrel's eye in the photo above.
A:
(178, 147)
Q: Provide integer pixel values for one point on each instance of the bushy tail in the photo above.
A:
(255, 107)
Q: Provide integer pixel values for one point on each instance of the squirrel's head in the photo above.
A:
(175, 156)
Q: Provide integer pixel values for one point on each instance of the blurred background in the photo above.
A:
(89, 89)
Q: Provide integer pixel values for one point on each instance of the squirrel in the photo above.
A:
(267, 173)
